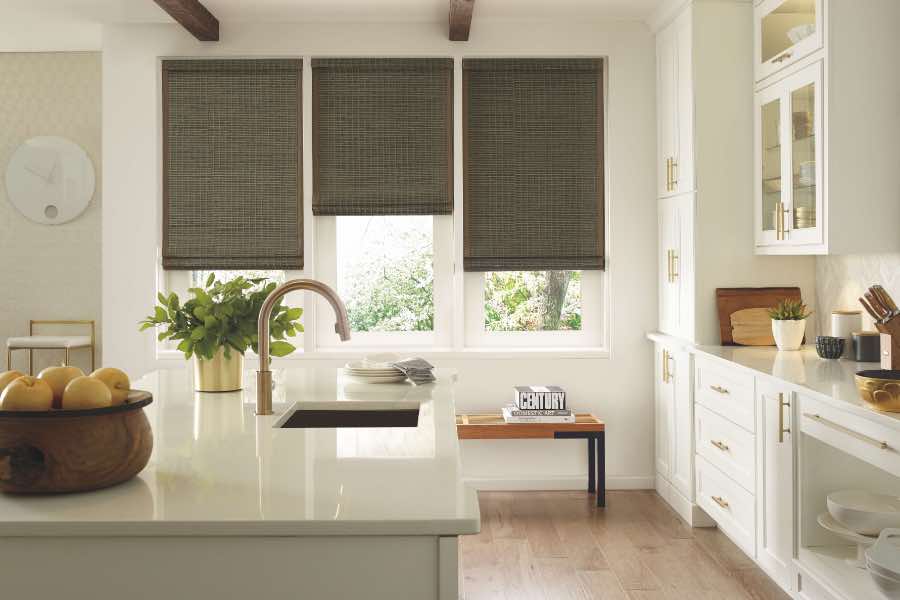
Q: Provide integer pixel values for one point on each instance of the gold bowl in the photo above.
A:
(880, 389)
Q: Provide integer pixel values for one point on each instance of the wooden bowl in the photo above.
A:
(58, 451)
(880, 389)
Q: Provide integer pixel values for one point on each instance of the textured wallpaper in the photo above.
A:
(840, 280)
(49, 271)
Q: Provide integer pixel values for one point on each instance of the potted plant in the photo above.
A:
(218, 324)
(789, 323)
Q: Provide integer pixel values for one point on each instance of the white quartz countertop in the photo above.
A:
(218, 469)
(829, 380)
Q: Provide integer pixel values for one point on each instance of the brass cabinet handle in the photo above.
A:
(720, 445)
(674, 174)
(665, 366)
(674, 275)
(720, 501)
(781, 406)
(669, 174)
(836, 426)
(780, 211)
(719, 389)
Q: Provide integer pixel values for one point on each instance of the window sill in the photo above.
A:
(436, 354)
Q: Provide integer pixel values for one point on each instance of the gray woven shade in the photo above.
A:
(382, 136)
(231, 164)
(533, 164)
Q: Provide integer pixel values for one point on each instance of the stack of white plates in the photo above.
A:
(362, 371)
(883, 562)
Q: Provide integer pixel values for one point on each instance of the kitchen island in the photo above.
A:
(232, 506)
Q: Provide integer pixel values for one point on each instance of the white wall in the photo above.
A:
(48, 271)
(617, 388)
(841, 280)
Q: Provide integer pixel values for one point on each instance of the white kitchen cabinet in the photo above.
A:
(788, 142)
(675, 110)
(784, 32)
(676, 266)
(775, 493)
(826, 127)
(674, 416)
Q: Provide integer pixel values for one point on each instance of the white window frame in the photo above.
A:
(326, 271)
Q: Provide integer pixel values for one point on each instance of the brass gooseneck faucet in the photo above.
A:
(264, 375)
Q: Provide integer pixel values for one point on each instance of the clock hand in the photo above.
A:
(33, 172)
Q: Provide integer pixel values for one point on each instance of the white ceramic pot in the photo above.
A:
(788, 334)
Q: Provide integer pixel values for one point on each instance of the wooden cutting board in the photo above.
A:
(752, 327)
(743, 319)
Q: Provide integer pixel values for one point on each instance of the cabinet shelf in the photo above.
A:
(804, 138)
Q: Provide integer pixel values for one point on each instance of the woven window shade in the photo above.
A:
(382, 136)
(533, 164)
(231, 164)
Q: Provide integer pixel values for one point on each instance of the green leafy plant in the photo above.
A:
(223, 315)
(789, 310)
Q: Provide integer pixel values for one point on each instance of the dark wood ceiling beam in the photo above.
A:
(194, 17)
(460, 19)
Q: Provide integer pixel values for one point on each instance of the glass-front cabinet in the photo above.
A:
(786, 30)
(789, 202)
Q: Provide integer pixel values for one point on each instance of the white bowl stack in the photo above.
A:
(869, 514)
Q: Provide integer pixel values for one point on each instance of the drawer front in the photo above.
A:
(866, 440)
(727, 392)
(726, 446)
(728, 504)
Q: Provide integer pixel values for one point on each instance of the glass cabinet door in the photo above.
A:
(788, 155)
(803, 158)
(770, 169)
(785, 31)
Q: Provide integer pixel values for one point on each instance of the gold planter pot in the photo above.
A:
(219, 374)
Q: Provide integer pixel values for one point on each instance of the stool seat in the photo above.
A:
(48, 341)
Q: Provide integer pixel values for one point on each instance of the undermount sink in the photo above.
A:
(326, 415)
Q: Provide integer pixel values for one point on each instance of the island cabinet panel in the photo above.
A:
(273, 568)
(775, 539)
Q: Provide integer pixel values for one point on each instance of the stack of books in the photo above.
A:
(538, 404)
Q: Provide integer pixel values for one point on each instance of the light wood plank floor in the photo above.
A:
(558, 545)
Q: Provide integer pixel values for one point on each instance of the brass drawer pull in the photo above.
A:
(719, 389)
(720, 501)
(674, 174)
(781, 429)
(720, 445)
(674, 275)
(861, 437)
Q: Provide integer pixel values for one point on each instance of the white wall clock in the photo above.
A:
(50, 179)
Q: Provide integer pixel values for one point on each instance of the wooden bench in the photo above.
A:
(491, 426)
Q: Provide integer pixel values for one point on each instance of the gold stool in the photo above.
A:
(50, 342)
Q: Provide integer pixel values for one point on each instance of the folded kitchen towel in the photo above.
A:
(418, 370)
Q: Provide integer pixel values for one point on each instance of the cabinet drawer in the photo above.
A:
(866, 440)
(727, 446)
(730, 506)
(727, 392)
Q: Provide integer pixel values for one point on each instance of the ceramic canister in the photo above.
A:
(843, 324)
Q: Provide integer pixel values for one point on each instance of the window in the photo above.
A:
(385, 272)
(533, 225)
(532, 301)
(394, 275)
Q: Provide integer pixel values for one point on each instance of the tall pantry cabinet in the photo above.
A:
(705, 211)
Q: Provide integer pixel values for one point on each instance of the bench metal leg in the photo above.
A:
(601, 470)
(592, 469)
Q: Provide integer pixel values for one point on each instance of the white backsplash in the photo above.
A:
(841, 280)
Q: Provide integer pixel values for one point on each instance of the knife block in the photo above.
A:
(890, 349)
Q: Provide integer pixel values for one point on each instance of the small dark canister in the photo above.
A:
(866, 346)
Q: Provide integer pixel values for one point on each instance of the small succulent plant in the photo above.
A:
(789, 310)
